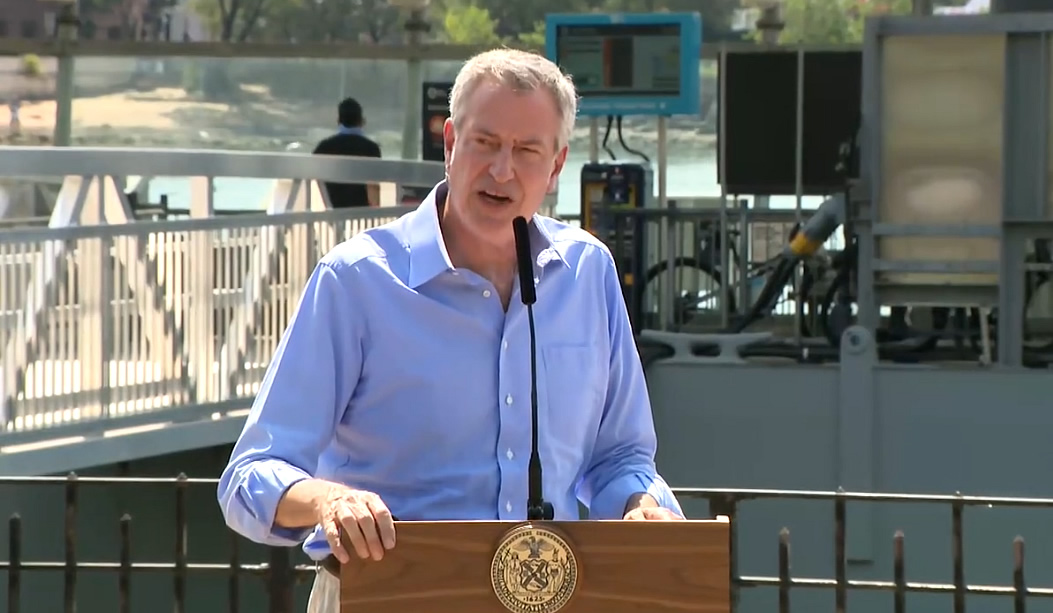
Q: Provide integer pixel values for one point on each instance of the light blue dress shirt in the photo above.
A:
(403, 375)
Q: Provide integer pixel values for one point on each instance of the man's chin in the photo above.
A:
(489, 212)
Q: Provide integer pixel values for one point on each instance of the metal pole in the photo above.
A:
(68, 23)
(594, 140)
(667, 312)
(416, 27)
(921, 8)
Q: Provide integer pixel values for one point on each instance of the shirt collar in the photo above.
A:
(428, 257)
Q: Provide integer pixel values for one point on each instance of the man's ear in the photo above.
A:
(561, 160)
(449, 136)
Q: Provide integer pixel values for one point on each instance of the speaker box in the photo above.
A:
(760, 121)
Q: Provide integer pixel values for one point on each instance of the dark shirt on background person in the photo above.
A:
(350, 140)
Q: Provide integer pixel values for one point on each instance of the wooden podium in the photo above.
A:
(543, 567)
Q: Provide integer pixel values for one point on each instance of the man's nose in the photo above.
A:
(501, 166)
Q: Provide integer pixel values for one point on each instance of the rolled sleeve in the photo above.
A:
(609, 503)
(251, 510)
(622, 463)
(302, 397)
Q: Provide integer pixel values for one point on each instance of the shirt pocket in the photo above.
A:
(575, 392)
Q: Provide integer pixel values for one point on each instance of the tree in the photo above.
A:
(235, 20)
(127, 12)
(470, 25)
(817, 22)
(523, 22)
(534, 38)
(330, 21)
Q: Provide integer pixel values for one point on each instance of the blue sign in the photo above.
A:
(629, 64)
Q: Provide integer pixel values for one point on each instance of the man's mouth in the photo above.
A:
(494, 197)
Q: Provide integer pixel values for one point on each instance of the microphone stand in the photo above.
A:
(537, 508)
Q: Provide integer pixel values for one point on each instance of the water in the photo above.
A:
(685, 179)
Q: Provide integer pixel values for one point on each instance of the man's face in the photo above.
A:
(504, 158)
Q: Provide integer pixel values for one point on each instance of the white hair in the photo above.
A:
(522, 71)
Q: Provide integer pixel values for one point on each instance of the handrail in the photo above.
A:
(129, 161)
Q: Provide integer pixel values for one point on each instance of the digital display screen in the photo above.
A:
(621, 60)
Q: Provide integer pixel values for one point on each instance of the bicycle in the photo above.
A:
(707, 262)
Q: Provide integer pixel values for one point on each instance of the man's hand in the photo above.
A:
(643, 507)
(652, 514)
(365, 520)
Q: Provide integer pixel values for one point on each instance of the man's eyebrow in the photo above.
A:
(530, 142)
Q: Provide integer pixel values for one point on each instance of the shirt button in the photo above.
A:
(510, 454)
(508, 400)
(486, 293)
(508, 506)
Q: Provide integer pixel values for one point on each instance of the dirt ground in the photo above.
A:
(158, 111)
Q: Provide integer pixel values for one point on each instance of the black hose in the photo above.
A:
(769, 294)
(621, 140)
(607, 137)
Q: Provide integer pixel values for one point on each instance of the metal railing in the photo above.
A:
(136, 319)
(106, 321)
(281, 573)
(717, 272)
(132, 320)
(93, 182)
(727, 502)
(277, 569)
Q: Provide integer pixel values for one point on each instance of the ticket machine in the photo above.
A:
(608, 191)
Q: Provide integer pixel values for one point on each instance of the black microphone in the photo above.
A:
(537, 508)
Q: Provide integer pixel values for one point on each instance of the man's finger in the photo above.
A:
(349, 521)
(367, 524)
(385, 521)
(332, 535)
(633, 515)
(655, 514)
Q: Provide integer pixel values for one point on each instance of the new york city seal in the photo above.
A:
(534, 570)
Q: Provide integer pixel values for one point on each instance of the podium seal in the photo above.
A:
(534, 570)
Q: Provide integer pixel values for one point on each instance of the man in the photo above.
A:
(402, 384)
(350, 140)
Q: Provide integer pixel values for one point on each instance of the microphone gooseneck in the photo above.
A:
(537, 508)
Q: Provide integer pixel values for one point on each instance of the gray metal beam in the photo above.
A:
(1007, 23)
(121, 161)
(92, 428)
(144, 228)
(102, 449)
(1024, 171)
(863, 214)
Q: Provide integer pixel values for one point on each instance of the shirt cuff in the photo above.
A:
(609, 503)
(258, 495)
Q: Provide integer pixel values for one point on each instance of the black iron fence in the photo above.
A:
(278, 571)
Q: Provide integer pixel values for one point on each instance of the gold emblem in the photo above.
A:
(534, 570)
